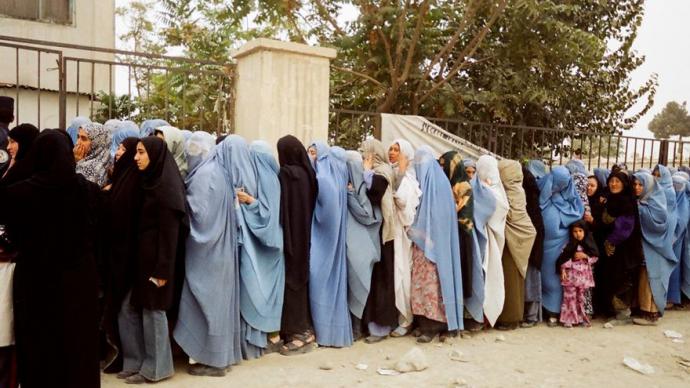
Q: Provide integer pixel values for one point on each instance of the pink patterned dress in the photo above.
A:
(578, 279)
(425, 295)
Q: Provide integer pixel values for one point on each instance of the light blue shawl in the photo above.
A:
(560, 206)
(435, 231)
(363, 238)
(208, 327)
(328, 264)
(658, 253)
(576, 166)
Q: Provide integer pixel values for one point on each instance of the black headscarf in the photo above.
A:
(529, 184)
(595, 202)
(161, 176)
(588, 245)
(622, 203)
(292, 155)
(25, 135)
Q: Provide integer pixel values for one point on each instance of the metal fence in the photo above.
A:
(53, 82)
(554, 146)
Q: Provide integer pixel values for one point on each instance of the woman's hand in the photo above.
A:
(403, 163)
(158, 282)
(245, 198)
(564, 276)
(368, 162)
(79, 152)
(609, 248)
(580, 256)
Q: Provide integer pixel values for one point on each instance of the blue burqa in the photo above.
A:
(148, 126)
(208, 327)
(73, 129)
(260, 242)
(680, 185)
(484, 208)
(363, 238)
(560, 206)
(198, 148)
(685, 263)
(602, 175)
(435, 232)
(537, 168)
(658, 253)
(120, 135)
(328, 264)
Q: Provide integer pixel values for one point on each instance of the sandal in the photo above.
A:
(300, 344)
(425, 338)
(274, 346)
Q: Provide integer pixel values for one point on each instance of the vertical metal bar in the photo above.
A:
(184, 88)
(38, 107)
(167, 112)
(16, 84)
(532, 148)
(608, 152)
(110, 91)
(129, 89)
(62, 77)
(522, 143)
(680, 162)
(674, 153)
(644, 146)
(635, 156)
(598, 153)
(148, 91)
(560, 135)
(618, 148)
(78, 78)
(91, 94)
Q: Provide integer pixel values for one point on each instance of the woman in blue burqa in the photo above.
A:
(659, 259)
(560, 206)
(328, 266)
(262, 264)
(208, 326)
(437, 295)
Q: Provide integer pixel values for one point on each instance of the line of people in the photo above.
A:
(132, 231)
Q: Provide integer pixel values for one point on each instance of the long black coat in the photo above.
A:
(163, 228)
(298, 191)
(49, 216)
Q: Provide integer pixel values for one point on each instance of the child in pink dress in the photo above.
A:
(575, 267)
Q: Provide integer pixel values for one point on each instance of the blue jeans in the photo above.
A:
(145, 342)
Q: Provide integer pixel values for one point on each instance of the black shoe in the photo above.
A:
(205, 370)
(136, 379)
(372, 339)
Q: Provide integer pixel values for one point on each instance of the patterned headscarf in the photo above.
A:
(95, 164)
(454, 168)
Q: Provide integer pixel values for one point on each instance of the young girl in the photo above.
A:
(575, 266)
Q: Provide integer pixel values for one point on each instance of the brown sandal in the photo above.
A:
(299, 344)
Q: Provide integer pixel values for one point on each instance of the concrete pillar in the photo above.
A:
(282, 88)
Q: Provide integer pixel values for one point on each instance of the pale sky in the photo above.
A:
(664, 38)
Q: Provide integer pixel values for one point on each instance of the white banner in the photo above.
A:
(419, 131)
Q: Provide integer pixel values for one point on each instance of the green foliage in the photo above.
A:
(548, 63)
(672, 120)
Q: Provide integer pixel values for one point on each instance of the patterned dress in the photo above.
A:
(425, 296)
(578, 279)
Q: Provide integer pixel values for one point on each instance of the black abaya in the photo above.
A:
(55, 280)
(298, 191)
(380, 307)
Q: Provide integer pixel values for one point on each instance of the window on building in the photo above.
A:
(53, 11)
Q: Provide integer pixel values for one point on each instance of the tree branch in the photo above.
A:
(368, 78)
(462, 25)
(400, 24)
(424, 8)
(468, 51)
(327, 15)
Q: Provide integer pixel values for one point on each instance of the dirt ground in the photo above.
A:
(535, 357)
